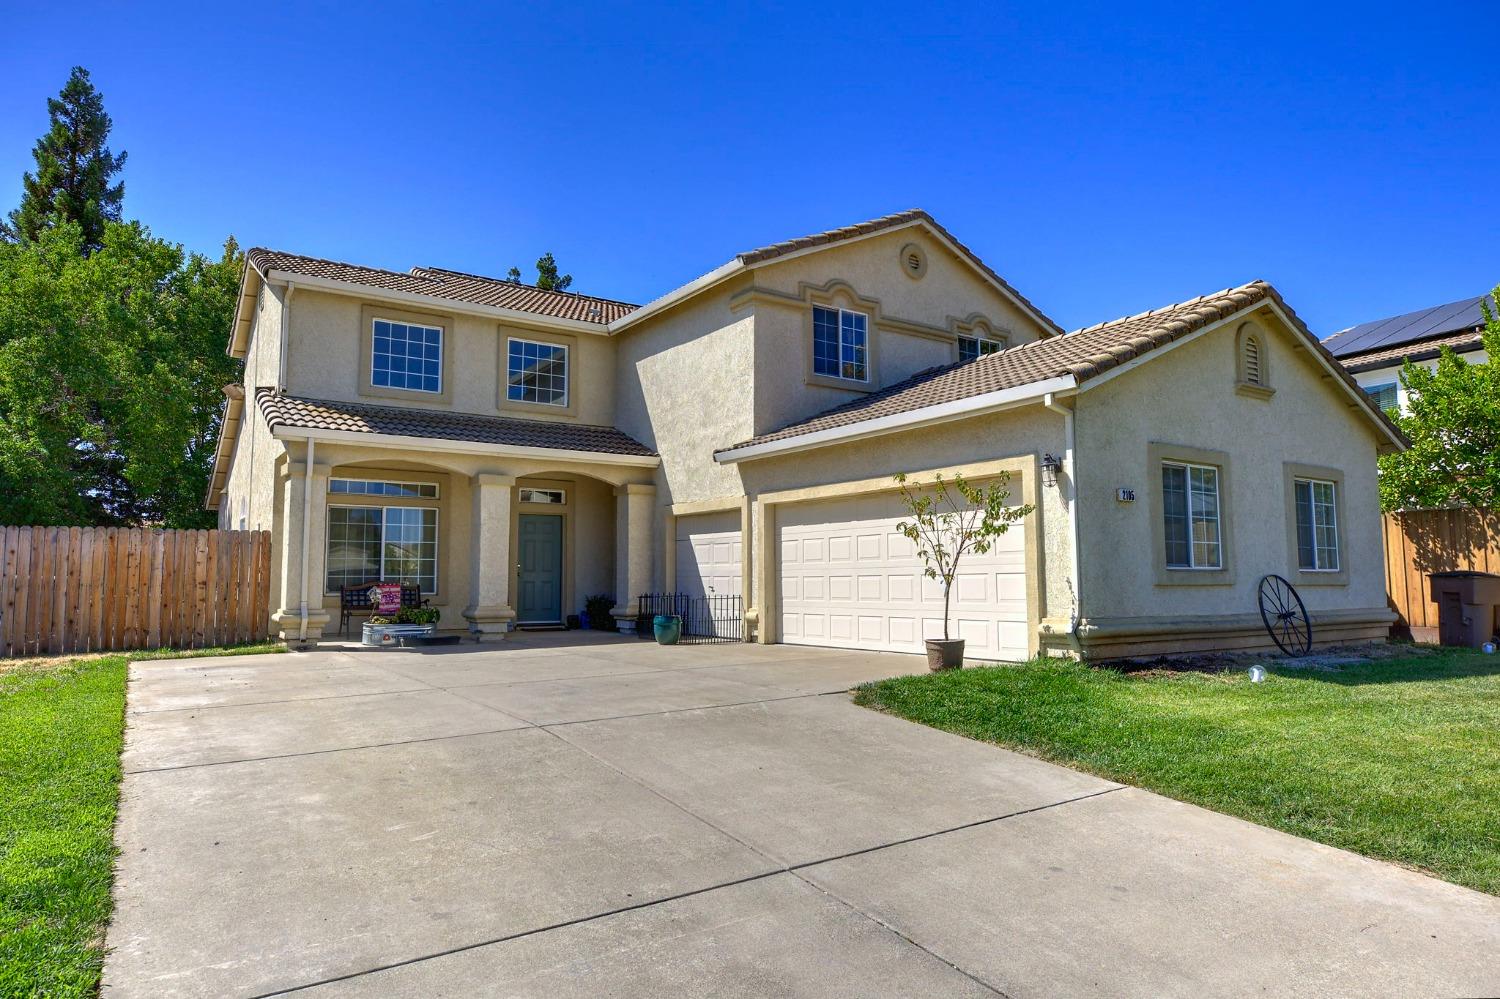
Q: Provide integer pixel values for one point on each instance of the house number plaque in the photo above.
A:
(1125, 495)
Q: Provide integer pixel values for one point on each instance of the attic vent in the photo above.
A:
(1252, 361)
(913, 261)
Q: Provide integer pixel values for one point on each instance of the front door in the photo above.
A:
(541, 569)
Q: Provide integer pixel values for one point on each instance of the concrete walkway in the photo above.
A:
(575, 815)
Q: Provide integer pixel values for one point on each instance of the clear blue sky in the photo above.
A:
(1104, 160)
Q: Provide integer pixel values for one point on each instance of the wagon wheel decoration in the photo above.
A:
(1285, 616)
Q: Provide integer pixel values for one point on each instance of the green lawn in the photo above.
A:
(1398, 759)
(61, 725)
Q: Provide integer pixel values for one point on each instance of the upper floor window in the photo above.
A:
(1317, 525)
(970, 347)
(406, 356)
(537, 372)
(1384, 395)
(841, 344)
(1190, 512)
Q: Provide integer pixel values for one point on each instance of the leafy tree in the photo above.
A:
(74, 170)
(1454, 426)
(111, 364)
(513, 275)
(952, 518)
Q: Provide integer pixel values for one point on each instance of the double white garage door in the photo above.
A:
(847, 579)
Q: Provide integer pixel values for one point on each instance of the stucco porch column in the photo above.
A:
(489, 612)
(634, 518)
(297, 484)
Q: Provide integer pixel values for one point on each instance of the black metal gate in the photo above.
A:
(708, 620)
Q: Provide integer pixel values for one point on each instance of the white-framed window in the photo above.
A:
(1384, 395)
(1190, 512)
(841, 347)
(970, 347)
(1317, 525)
(552, 496)
(382, 487)
(390, 543)
(537, 372)
(406, 356)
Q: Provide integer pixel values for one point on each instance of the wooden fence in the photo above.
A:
(91, 589)
(1421, 542)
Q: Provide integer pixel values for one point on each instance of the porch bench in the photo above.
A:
(356, 600)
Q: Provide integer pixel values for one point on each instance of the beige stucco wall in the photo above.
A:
(1187, 396)
(914, 323)
(328, 360)
(685, 389)
(250, 487)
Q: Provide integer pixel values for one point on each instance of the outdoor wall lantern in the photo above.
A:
(1051, 465)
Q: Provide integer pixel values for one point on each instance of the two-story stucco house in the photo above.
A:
(1375, 352)
(514, 450)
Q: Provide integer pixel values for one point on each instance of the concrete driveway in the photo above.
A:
(576, 815)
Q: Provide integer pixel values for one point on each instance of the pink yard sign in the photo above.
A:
(386, 597)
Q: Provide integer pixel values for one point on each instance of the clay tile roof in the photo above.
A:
(1468, 340)
(453, 285)
(322, 414)
(781, 249)
(1082, 354)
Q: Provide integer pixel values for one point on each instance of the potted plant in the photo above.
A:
(597, 610)
(948, 519)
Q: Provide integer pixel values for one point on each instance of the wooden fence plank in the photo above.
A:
(37, 588)
(156, 548)
(261, 620)
(56, 608)
(73, 593)
(10, 572)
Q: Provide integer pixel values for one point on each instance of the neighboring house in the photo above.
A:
(1374, 352)
(514, 450)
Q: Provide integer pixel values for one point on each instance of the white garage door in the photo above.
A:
(849, 580)
(709, 552)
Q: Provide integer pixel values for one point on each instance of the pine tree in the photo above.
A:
(547, 277)
(74, 167)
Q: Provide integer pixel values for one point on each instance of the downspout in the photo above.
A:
(1069, 443)
(286, 320)
(307, 478)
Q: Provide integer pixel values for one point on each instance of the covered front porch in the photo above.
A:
(495, 537)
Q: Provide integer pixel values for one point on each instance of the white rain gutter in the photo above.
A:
(1069, 444)
(307, 478)
(286, 321)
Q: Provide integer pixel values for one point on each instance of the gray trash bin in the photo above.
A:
(1466, 606)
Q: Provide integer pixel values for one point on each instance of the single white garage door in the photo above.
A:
(849, 580)
(709, 553)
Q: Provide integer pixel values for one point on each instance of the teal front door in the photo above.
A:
(541, 569)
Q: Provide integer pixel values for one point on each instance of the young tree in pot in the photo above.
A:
(951, 518)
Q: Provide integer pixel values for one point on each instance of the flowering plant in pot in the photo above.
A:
(948, 519)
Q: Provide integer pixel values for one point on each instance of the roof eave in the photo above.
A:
(959, 409)
(284, 431)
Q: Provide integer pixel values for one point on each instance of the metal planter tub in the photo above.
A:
(390, 635)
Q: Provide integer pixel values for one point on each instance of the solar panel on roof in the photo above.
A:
(1413, 327)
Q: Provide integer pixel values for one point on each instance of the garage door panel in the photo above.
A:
(887, 602)
(709, 555)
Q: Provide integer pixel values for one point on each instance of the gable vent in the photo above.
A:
(1252, 360)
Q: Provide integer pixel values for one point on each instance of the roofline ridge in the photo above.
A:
(523, 284)
(330, 260)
